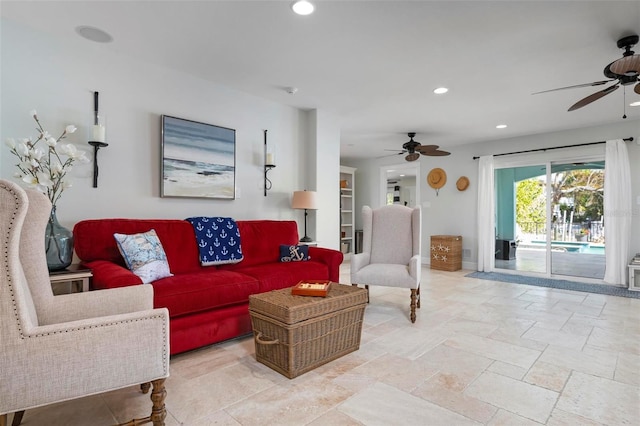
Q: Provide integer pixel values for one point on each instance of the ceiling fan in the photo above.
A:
(624, 71)
(413, 149)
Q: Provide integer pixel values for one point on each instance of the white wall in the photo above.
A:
(58, 80)
(455, 213)
(324, 172)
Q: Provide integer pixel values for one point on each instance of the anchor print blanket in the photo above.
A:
(218, 240)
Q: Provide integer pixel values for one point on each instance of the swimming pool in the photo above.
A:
(569, 246)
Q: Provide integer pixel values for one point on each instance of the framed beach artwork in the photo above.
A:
(198, 159)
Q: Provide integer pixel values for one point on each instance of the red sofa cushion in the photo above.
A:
(94, 240)
(273, 276)
(261, 241)
(201, 291)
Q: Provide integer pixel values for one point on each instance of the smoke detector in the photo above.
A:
(291, 90)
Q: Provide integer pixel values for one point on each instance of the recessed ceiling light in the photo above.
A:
(303, 7)
(635, 103)
(501, 126)
(440, 90)
(94, 34)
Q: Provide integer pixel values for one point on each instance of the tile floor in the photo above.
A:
(480, 353)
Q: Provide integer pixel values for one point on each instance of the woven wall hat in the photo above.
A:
(463, 183)
(437, 178)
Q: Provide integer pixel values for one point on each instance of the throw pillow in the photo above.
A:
(294, 253)
(144, 255)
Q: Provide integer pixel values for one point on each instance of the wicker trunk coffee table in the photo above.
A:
(295, 334)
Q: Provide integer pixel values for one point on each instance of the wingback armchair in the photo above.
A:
(58, 348)
(391, 250)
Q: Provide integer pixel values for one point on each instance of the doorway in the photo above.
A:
(400, 184)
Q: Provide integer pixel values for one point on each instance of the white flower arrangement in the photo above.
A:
(42, 166)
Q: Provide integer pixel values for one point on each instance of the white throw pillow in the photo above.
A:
(144, 255)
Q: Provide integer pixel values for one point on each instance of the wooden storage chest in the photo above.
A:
(446, 252)
(295, 334)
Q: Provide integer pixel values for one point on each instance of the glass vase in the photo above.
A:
(58, 242)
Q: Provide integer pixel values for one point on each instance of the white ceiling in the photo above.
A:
(374, 64)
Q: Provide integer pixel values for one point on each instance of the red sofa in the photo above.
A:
(206, 304)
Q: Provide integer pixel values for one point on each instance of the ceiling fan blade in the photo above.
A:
(431, 151)
(594, 97)
(423, 149)
(436, 153)
(595, 83)
(637, 89)
(412, 157)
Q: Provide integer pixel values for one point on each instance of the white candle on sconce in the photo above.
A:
(99, 133)
(99, 130)
(270, 155)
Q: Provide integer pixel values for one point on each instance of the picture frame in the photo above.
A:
(198, 160)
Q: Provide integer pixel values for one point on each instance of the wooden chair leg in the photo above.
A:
(158, 395)
(158, 411)
(144, 387)
(17, 418)
(3, 419)
(418, 304)
(413, 305)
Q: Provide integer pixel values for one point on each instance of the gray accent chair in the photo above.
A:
(58, 348)
(391, 250)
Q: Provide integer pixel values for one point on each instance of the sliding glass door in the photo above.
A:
(577, 212)
(549, 218)
(521, 218)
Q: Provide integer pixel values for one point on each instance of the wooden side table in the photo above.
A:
(73, 274)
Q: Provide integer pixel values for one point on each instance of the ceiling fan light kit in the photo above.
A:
(624, 72)
(412, 157)
(629, 64)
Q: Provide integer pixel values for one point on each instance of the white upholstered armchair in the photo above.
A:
(391, 250)
(57, 348)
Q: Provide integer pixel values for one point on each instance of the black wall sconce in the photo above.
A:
(269, 163)
(98, 137)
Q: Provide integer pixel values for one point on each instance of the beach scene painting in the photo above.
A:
(198, 159)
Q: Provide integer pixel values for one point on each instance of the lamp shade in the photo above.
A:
(305, 200)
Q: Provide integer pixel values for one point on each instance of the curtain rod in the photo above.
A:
(555, 147)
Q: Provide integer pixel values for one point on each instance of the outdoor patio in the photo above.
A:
(575, 264)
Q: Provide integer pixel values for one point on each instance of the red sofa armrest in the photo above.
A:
(110, 275)
(332, 258)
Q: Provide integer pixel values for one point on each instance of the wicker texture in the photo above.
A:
(295, 334)
(289, 309)
(446, 252)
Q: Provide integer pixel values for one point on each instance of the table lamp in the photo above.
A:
(305, 200)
